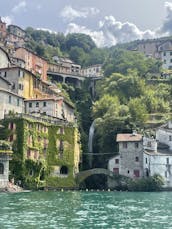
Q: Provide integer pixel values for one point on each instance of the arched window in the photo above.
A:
(1, 168)
(64, 170)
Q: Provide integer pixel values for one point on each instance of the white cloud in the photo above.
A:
(166, 28)
(7, 19)
(70, 14)
(20, 6)
(110, 32)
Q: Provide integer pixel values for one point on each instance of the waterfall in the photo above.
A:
(91, 135)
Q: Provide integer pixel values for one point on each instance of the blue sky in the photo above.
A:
(107, 21)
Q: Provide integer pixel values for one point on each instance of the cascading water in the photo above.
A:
(90, 142)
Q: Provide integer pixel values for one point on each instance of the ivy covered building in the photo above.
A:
(46, 151)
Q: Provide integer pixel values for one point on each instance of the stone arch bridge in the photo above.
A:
(81, 176)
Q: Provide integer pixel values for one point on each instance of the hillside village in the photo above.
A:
(39, 133)
(37, 121)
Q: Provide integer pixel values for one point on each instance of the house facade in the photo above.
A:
(50, 155)
(52, 106)
(158, 160)
(164, 134)
(4, 59)
(165, 51)
(33, 63)
(5, 156)
(3, 30)
(10, 102)
(129, 162)
(17, 31)
(92, 71)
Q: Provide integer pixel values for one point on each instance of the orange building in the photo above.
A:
(34, 63)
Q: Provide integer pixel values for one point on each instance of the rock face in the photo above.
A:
(11, 188)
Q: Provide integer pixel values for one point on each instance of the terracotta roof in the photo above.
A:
(129, 137)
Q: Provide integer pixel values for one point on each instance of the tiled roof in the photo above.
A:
(129, 137)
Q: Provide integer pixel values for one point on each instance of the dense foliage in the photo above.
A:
(78, 47)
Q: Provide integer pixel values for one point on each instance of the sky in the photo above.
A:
(108, 22)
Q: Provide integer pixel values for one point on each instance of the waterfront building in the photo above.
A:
(129, 162)
(5, 156)
(158, 160)
(47, 151)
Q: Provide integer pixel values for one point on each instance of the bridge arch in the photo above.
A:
(81, 176)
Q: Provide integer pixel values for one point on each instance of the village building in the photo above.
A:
(92, 71)
(50, 156)
(5, 156)
(67, 65)
(3, 30)
(149, 48)
(164, 135)
(10, 103)
(33, 63)
(53, 106)
(158, 160)
(26, 84)
(5, 61)
(165, 51)
(17, 31)
(129, 162)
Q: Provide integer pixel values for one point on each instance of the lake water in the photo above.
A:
(78, 209)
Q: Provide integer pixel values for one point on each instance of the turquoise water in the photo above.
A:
(86, 210)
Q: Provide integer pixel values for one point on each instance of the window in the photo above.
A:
(64, 170)
(136, 173)
(37, 104)
(11, 138)
(116, 170)
(116, 161)
(136, 145)
(18, 102)
(164, 53)
(5, 74)
(1, 168)
(170, 138)
(170, 53)
(149, 144)
(167, 160)
(44, 104)
(30, 104)
(166, 174)
(137, 159)
(146, 160)
(125, 145)
(21, 86)
(9, 99)
(170, 60)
